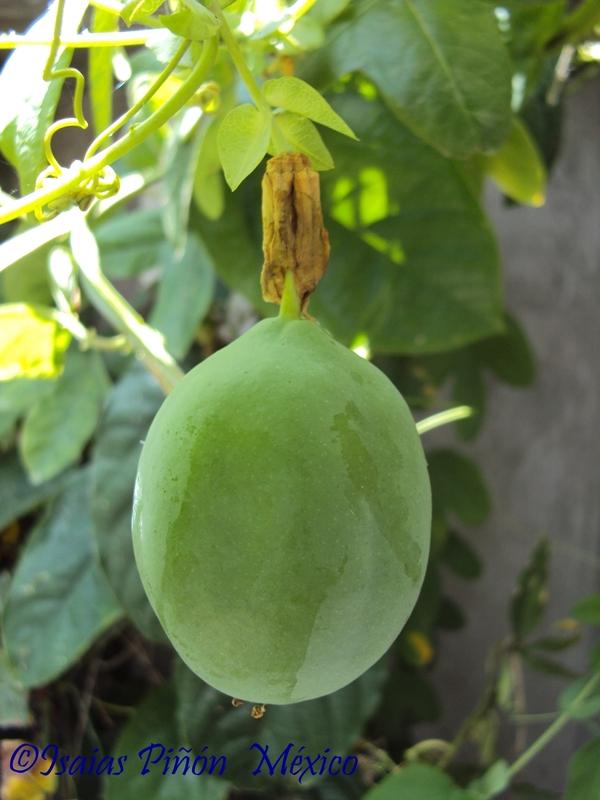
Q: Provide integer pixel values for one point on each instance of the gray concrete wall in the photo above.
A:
(540, 448)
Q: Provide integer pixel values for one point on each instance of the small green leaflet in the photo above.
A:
(134, 9)
(517, 167)
(302, 135)
(194, 22)
(243, 139)
(33, 343)
(294, 94)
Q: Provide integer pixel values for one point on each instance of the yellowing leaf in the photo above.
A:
(243, 138)
(32, 343)
(517, 167)
(294, 94)
(303, 137)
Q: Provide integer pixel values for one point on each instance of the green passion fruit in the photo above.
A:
(282, 514)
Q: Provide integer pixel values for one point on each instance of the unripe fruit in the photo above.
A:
(282, 515)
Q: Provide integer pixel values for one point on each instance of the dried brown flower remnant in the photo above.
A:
(294, 238)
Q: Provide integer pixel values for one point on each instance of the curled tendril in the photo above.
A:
(79, 120)
(105, 182)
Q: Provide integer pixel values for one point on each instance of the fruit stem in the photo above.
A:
(290, 301)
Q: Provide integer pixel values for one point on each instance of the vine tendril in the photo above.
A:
(102, 184)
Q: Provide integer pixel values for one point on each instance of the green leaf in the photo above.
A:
(21, 394)
(334, 721)
(194, 22)
(135, 9)
(451, 617)
(26, 279)
(531, 596)
(509, 354)
(58, 427)
(154, 722)
(417, 782)
(243, 139)
(588, 610)
(458, 487)
(410, 229)
(461, 557)
(32, 342)
(517, 167)
(130, 243)
(18, 496)
(587, 708)
(131, 406)
(294, 94)
(303, 137)
(13, 697)
(100, 71)
(185, 295)
(58, 601)
(547, 666)
(449, 79)
(28, 101)
(494, 781)
(553, 644)
(583, 779)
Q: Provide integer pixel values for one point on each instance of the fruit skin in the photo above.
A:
(282, 515)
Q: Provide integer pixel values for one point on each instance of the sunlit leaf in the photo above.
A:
(134, 9)
(32, 343)
(294, 94)
(194, 21)
(243, 139)
(303, 137)
(449, 78)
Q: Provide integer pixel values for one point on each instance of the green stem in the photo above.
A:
(444, 418)
(579, 24)
(289, 307)
(117, 39)
(135, 135)
(552, 730)
(146, 342)
(238, 58)
(106, 134)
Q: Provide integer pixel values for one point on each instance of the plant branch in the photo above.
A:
(146, 342)
(9, 41)
(238, 58)
(444, 418)
(552, 730)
